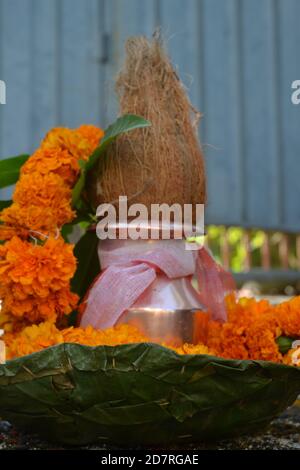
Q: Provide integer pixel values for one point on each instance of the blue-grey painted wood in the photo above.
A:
(288, 15)
(124, 19)
(80, 63)
(17, 74)
(260, 152)
(221, 110)
(183, 42)
(45, 99)
(237, 58)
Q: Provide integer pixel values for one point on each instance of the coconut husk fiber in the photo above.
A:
(160, 164)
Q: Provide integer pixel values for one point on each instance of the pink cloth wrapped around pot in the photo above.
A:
(128, 271)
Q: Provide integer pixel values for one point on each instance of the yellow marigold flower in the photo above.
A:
(121, 334)
(32, 339)
(37, 337)
(192, 349)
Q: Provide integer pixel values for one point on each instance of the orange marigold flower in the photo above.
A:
(53, 160)
(187, 348)
(79, 143)
(249, 333)
(35, 279)
(37, 337)
(31, 339)
(227, 340)
(41, 202)
(292, 358)
(121, 334)
(7, 232)
(261, 340)
(91, 133)
(288, 314)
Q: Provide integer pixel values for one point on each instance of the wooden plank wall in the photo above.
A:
(237, 58)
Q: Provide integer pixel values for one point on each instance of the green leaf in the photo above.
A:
(284, 343)
(88, 265)
(10, 170)
(141, 395)
(126, 123)
(78, 188)
(66, 231)
(4, 204)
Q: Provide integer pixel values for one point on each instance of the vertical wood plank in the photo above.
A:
(222, 113)
(248, 254)
(16, 71)
(284, 251)
(266, 252)
(260, 114)
(180, 24)
(124, 19)
(81, 87)
(45, 73)
(225, 249)
(288, 14)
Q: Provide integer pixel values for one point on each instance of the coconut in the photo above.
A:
(162, 163)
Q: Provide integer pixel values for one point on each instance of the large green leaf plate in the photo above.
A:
(141, 394)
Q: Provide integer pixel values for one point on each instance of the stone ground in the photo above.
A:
(282, 434)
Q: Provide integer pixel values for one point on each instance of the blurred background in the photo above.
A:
(237, 58)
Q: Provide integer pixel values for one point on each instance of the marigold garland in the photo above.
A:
(36, 265)
(253, 327)
(250, 333)
(42, 199)
(37, 337)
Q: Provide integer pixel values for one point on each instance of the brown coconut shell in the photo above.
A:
(160, 164)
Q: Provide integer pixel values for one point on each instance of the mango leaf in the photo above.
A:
(126, 123)
(10, 170)
(66, 231)
(4, 204)
(82, 222)
(88, 264)
(78, 188)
